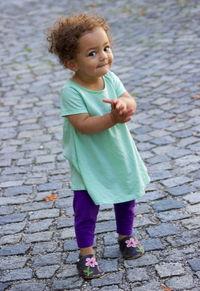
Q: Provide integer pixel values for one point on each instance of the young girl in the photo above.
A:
(105, 165)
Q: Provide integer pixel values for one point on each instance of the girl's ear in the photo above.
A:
(71, 65)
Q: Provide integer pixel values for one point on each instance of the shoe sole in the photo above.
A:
(93, 277)
(135, 257)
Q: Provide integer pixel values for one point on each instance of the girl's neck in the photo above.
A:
(96, 84)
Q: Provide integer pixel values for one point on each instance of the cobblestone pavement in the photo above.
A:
(157, 55)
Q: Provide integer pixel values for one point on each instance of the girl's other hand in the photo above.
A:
(121, 118)
(118, 104)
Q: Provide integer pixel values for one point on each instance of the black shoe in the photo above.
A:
(130, 248)
(88, 267)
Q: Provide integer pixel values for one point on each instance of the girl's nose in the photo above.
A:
(103, 55)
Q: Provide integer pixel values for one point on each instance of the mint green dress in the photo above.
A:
(106, 164)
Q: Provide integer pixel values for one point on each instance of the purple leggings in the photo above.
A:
(86, 211)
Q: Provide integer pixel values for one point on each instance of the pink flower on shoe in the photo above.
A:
(131, 243)
(91, 262)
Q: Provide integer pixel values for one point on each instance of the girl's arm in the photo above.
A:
(122, 109)
(86, 124)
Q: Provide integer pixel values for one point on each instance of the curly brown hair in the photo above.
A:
(64, 35)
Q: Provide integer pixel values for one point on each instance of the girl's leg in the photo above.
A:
(85, 212)
(129, 246)
(85, 220)
(124, 213)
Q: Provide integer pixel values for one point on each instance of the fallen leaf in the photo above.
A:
(196, 97)
(173, 119)
(177, 91)
(165, 288)
(139, 216)
(195, 133)
(92, 5)
(142, 12)
(50, 197)
(126, 10)
(70, 216)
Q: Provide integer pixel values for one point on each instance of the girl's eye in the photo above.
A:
(92, 54)
(106, 48)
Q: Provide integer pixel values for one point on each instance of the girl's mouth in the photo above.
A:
(100, 66)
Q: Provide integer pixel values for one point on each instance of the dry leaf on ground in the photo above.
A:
(166, 288)
(139, 216)
(70, 216)
(173, 119)
(142, 12)
(51, 197)
(196, 133)
(126, 10)
(177, 91)
(92, 5)
(196, 97)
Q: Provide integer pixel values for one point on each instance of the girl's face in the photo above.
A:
(94, 57)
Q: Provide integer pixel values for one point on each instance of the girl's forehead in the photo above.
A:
(96, 36)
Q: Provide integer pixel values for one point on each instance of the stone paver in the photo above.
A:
(157, 56)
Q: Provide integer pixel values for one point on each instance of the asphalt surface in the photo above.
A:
(156, 45)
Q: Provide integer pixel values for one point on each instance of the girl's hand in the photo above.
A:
(122, 103)
(119, 104)
(120, 112)
(123, 117)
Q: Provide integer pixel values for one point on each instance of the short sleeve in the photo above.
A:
(117, 84)
(71, 102)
